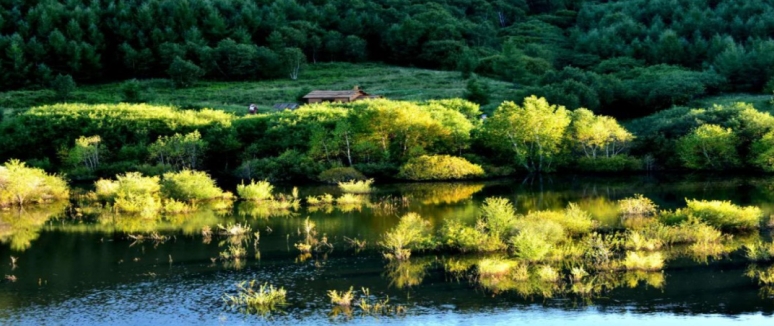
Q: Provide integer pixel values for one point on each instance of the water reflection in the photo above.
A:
(20, 226)
(87, 249)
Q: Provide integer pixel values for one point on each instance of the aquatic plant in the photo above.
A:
(638, 205)
(257, 298)
(371, 306)
(191, 186)
(759, 251)
(643, 261)
(131, 193)
(497, 267)
(638, 240)
(724, 214)
(531, 245)
(356, 187)
(350, 199)
(412, 232)
(547, 273)
(342, 298)
(235, 229)
(175, 207)
(233, 252)
(255, 191)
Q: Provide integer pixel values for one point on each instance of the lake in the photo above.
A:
(77, 265)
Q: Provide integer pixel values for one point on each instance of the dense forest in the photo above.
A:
(384, 139)
(623, 58)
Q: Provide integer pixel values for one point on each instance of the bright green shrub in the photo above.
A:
(573, 219)
(530, 245)
(637, 206)
(20, 184)
(439, 167)
(498, 216)
(412, 232)
(709, 147)
(255, 191)
(340, 174)
(356, 187)
(724, 214)
(131, 193)
(188, 185)
(762, 152)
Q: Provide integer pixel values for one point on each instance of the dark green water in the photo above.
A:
(80, 268)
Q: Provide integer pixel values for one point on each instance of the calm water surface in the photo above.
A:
(79, 267)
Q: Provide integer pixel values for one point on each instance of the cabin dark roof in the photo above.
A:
(283, 106)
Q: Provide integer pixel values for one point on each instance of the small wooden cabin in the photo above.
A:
(338, 96)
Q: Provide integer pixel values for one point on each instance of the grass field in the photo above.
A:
(389, 81)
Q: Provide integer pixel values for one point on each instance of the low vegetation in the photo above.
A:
(356, 187)
(412, 232)
(253, 297)
(20, 185)
(439, 167)
(255, 191)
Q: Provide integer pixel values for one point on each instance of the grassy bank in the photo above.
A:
(389, 81)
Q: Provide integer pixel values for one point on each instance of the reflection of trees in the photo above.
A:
(21, 226)
(108, 222)
(408, 273)
(263, 209)
(442, 192)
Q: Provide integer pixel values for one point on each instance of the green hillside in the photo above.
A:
(389, 81)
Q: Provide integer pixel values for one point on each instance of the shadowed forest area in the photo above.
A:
(624, 58)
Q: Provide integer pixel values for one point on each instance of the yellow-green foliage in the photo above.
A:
(500, 268)
(439, 167)
(325, 199)
(637, 206)
(573, 219)
(764, 276)
(531, 245)
(547, 273)
(131, 193)
(255, 191)
(643, 261)
(466, 238)
(412, 232)
(356, 187)
(638, 240)
(342, 298)
(173, 206)
(188, 185)
(263, 298)
(20, 184)
(759, 251)
(498, 215)
(724, 214)
(350, 199)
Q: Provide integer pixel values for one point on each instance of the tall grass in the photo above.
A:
(356, 187)
(257, 298)
(342, 298)
(638, 205)
(20, 185)
(724, 214)
(255, 191)
(412, 232)
(643, 261)
(191, 186)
